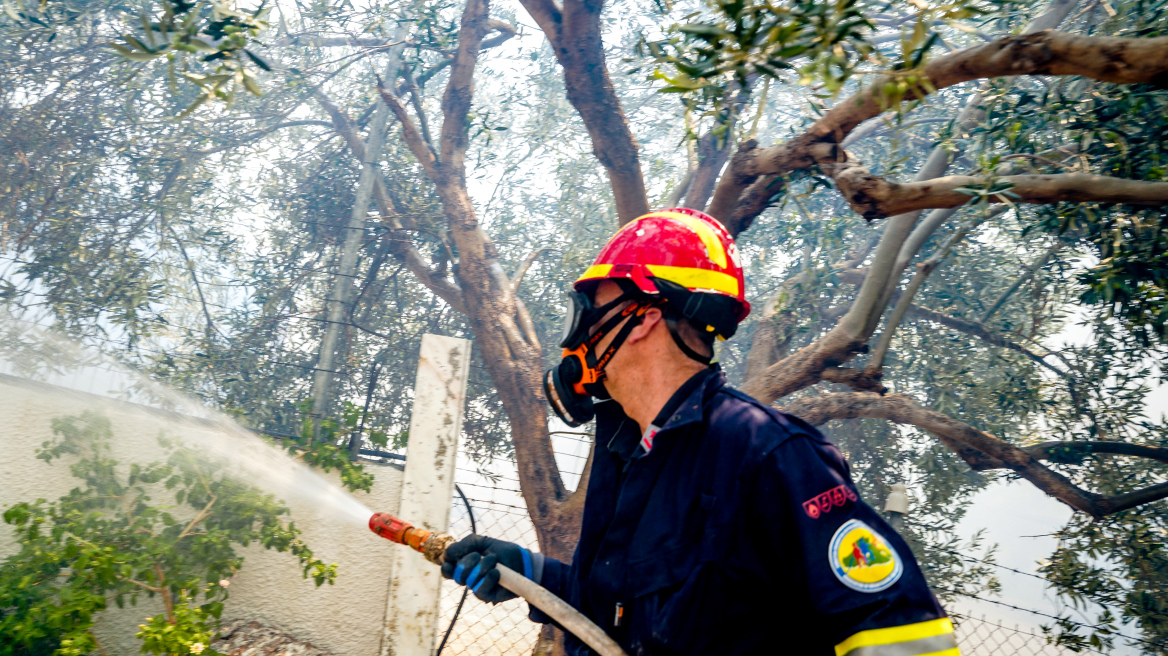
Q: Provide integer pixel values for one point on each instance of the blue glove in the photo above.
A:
(472, 562)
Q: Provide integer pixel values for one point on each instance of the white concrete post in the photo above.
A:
(411, 616)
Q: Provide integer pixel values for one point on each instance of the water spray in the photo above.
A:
(432, 545)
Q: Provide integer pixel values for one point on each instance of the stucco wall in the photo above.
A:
(344, 618)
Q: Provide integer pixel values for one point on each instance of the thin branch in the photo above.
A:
(505, 30)
(517, 279)
(410, 133)
(141, 585)
(203, 514)
(987, 335)
(1027, 274)
(1059, 449)
(261, 134)
(211, 328)
(675, 196)
(876, 363)
(1037, 158)
(416, 101)
(97, 642)
(166, 597)
(878, 126)
(713, 150)
(403, 250)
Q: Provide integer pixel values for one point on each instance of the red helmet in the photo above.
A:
(685, 247)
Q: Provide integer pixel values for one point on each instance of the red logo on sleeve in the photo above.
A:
(836, 497)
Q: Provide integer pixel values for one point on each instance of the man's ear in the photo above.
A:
(649, 321)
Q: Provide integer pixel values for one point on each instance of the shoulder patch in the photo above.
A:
(861, 559)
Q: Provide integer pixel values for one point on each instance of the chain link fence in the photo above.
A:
(499, 511)
(983, 637)
(504, 630)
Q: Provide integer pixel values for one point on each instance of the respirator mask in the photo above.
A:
(570, 386)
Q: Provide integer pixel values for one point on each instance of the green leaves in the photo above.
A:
(324, 444)
(192, 35)
(189, 631)
(733, 42)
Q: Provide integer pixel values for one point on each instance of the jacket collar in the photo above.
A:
(690, 409)
(620, 435)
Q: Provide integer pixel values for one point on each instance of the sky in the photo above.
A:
(1020, 519)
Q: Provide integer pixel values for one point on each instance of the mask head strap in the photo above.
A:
(637, 312)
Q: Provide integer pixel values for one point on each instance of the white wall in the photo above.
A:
(344, 618)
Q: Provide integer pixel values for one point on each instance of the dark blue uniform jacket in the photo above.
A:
(739, 532)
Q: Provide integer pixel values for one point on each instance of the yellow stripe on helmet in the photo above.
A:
(872, 640)
(595, 271)
(693, 278)
(710, 238)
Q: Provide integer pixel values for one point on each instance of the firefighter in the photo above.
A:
(713, 523)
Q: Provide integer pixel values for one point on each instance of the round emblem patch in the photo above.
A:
(861, 559)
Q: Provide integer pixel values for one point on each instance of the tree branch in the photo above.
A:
(575, 35)
(456, 101)
(505, 31)
(203, 514)
(713, 150)
(1062, 450)
(982, 450)
(1108, 59)
(875, 365)
(874, 197)
(416, 101)
(983, 333)
(711, 159)
(501, 326)
(517, 279)
(410, 133)
(402, 249)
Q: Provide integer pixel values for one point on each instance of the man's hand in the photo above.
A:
(471, 562)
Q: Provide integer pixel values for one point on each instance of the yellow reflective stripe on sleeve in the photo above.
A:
(892, 638)
(694, 278)
(942, 645)
(595, 271)
(710, 238)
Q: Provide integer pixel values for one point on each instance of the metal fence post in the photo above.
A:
(435, 426)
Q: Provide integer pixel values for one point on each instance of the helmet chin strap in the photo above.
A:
(671, 323)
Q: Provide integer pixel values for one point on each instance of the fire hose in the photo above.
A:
(432, 545)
